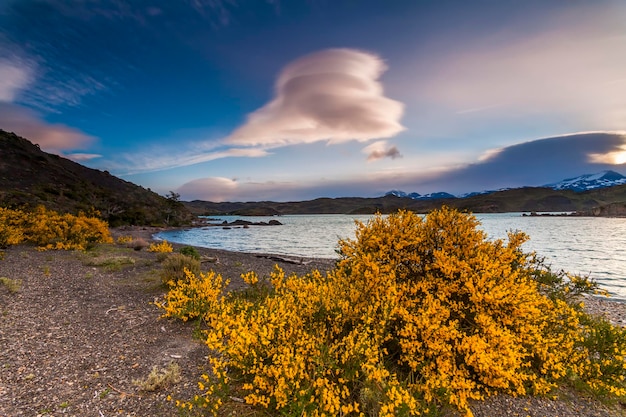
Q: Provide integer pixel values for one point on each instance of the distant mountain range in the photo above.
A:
(417, 196)
(601, 194)
(581, 183)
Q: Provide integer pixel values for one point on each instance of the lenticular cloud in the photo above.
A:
(332, 95)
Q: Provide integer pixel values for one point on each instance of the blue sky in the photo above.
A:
(250, 100)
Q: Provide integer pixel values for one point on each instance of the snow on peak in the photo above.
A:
(590, 181)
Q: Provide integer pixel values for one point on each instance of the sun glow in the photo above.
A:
(613, 158)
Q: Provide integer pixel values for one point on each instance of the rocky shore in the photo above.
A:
(80, 336)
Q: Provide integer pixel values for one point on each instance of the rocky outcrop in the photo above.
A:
(607, 210)
(243, 223)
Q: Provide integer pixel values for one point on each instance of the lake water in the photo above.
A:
(580, 245)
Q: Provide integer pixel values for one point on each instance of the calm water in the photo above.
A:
(587, 246)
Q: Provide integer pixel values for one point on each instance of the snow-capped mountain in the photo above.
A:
(417, 196)
(435, 196)
(402, 194)
(581, 183)
(590, 181)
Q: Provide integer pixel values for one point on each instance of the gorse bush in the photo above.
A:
(418, 313)
(124, 240)
(12, 225)
(51, 230)
(163, 247)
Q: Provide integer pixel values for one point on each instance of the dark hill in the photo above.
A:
(30, 177)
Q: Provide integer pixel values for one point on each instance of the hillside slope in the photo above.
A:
(30, 177)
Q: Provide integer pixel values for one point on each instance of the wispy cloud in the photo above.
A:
(332, 95)
(51, 91)
(380, 150)
(163, 158)
(39, 70)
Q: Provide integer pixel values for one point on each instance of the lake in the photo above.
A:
(580, 245)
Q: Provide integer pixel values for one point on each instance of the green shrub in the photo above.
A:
(174, 267)
(190, 251)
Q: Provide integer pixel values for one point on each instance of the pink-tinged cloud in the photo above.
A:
(219, 189)
(79, 157)
(209, 189)
(333, 95)
(380, 150)
(53, 138)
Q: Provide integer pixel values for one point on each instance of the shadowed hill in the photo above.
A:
(30, 177)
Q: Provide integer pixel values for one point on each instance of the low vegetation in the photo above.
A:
(419, 314)
(112, 263)
(190, 251)
(176, 266)
(12, 285)
(159, 378)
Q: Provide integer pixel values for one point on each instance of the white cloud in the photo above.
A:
(14, 77)
(332, 95)
(379, 150)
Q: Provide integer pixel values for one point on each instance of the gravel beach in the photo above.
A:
(79, 336)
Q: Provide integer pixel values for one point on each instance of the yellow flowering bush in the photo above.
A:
(124, 240)
(418, 313)
(163, 247)
(51, 230)
(11, 227)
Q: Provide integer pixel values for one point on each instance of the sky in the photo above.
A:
(250, 100)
